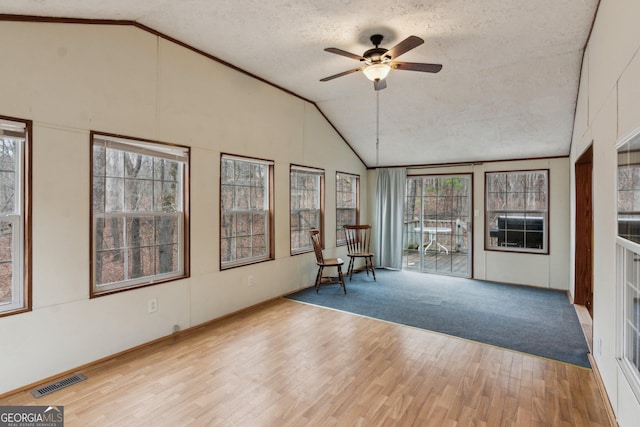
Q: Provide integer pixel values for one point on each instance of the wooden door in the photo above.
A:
(584, 232)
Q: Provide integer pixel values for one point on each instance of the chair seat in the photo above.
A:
(360, 254)
(333, 262)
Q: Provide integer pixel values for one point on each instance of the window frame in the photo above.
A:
(269, 212)
(627, 250)
(155, 149)
(628, 268)
(340, 239)
(22, 246)
(320, 173)
(545, 250)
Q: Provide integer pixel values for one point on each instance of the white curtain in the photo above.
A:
(389, 206)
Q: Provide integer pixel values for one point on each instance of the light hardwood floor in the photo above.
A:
(291, 364)
(586, 323)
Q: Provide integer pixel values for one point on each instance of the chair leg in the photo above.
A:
(318, 278)
(373, 270)
(350, 268)
(344, 287)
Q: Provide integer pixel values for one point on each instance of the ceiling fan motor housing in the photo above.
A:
(376, 55)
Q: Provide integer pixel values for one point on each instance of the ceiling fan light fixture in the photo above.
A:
(377, 71)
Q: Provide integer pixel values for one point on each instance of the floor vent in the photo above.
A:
(50, 388)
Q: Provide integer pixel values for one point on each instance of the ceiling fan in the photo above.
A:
(377, 62)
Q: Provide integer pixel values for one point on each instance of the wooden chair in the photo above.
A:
(329, 262)
(358, 245)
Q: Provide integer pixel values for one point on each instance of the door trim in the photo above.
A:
(583, 250)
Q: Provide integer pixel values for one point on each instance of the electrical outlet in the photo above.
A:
(152, 305)
(176, 328)
(599, 346)
(250, 280)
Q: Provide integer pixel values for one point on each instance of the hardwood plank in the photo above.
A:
(292, 364)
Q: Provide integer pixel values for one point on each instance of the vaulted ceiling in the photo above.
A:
(507, 89)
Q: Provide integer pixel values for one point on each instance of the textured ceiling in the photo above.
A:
(507, 89)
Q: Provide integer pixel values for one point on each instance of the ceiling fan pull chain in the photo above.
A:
(377, 127)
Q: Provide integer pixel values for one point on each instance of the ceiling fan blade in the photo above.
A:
(344, 73)
(404, 46)
(379, 84)
(344, 53)
(416, 66)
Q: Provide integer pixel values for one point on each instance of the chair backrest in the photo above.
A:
(358, 238)
(317, 247)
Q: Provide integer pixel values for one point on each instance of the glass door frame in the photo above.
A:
(448, 245)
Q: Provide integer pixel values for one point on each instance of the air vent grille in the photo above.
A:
(66, 382)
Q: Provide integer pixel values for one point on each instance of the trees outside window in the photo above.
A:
(517, 205)
(139, 213)
(246, 211)
(15, 222)
(307, 206)
(629, 198)
(347, 203)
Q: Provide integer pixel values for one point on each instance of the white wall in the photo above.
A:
(608, 110)
(548, 271)
(73, 78)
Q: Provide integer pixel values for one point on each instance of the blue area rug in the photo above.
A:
(537, 321)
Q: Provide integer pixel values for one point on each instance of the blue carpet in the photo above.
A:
(531, 320)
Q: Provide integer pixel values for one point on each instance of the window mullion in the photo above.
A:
(17, 262)
(125, 247)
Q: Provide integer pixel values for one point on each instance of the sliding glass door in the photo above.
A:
(437, 224)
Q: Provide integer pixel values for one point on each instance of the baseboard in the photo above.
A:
(603, 391)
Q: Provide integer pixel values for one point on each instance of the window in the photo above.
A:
(628, 261)
(307, 206)
(347, 203)
(246, 210)
(139, 213)
(629, 195)
(15, 225)
(517, 211)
